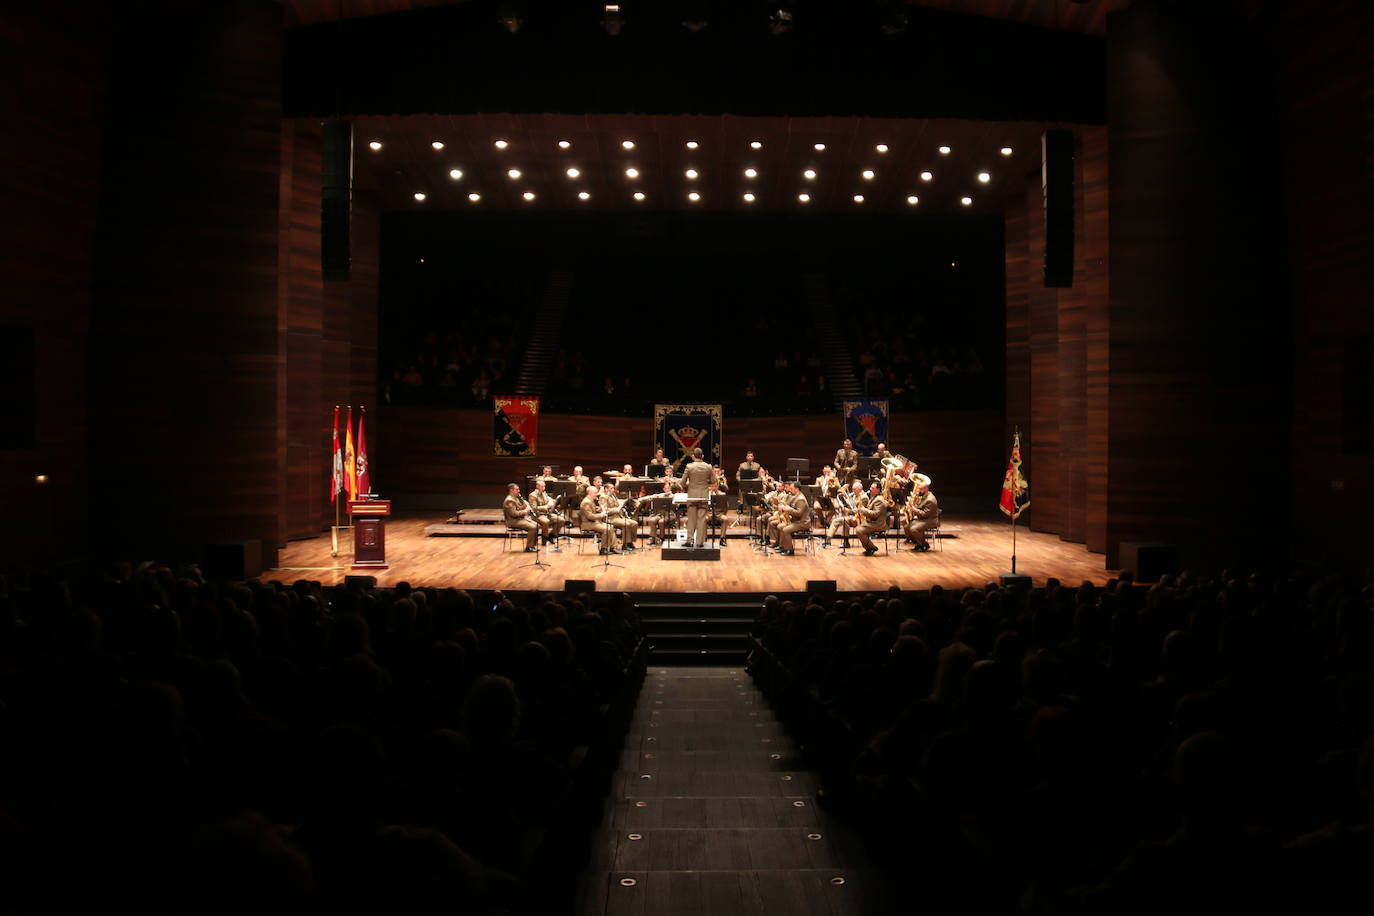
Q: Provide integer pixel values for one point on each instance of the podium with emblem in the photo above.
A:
(369, 532)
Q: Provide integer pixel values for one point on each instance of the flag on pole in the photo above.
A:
(350, 463)
(337, 484)
(364, 472)
(1015, 489)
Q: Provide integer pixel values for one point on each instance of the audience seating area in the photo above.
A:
(1196, 746)
(178, 746)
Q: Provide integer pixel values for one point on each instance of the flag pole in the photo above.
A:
(1013, 545)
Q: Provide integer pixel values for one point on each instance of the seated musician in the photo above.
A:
(924, 512)
(846, 517)
(846, 461)
(881, 452)
(594, 519)
(519, 515)
(628, 473)
(772, 493)
(581, 480)
(617, 516)
(663, 520)
(659, 459)
(668, 478)
(546, 474)
(798, 513)
(872, 519)
(717, 505)
(828, 486)
(549, 520)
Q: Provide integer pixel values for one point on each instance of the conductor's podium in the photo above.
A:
(369, 532)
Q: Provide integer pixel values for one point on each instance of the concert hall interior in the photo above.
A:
(305, 296)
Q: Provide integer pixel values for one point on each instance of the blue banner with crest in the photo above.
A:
(865, 424)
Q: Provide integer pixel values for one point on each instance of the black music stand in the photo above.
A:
(655, 470)
(867, 466)
(827, 504)
(797, 468)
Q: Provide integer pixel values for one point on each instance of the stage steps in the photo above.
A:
(835, 355)
(706, 631)
(548, 330)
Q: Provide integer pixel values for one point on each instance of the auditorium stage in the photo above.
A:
(981, 552)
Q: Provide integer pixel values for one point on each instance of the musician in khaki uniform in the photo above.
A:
(616, 516)
(658, 459)
(547, 473)
(696, 480)
(872, 519)
(518, 515)
(799, 514)
(672, 481)
(923, 511)
(843, 522)
(663, 522)
(828, 485)
(846, 461)
(768, 504)
(594, 520)
(581, 480)
(549, 521)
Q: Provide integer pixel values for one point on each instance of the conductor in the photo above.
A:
(696, 479)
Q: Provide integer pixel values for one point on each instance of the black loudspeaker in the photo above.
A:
(364, 581)
(336, 199)
(1056, 179)
(578, 586)
(821, 588)
(233, 560)
(1147, 562)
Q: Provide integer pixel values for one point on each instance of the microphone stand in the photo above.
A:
(538, 546)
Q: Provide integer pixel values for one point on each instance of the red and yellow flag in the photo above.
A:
(1015, 489)
(350, 463)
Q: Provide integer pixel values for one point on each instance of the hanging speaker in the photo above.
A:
(336, 199)
(1056, 179)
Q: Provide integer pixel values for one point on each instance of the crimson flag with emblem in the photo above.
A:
(1015, 489)
(364, 469)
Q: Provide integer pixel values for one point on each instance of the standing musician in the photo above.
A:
(748, 464)
(795, 515)
(519, 515)
(872, 518)
(581, 480)
(921, 512)
(846, 461)
(845, 517)
(696, 480)
(594, 519)
(663, 521)
(616, 515)
(550, 522)
(658, 459)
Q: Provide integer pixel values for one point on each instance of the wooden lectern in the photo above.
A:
(369, 532)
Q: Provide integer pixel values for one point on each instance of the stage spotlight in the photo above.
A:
(756, 144)
(692, 144)
(868, 174)
(1006, 151)
(694, 196)
(804, 197)
(819, 147)
(966, 201)
(627, 144)
(984, 177)
(500, 144)
(858, 198)
(438, 144)
(611, 19)
(639, 195)
(455, 174)
(583, 195)
(781, 21)
(751, 173)
(748, 197)
(927, 176)
(420, 196)
(691, 174)
(912, 199)
(944, 151)
(881, 147)
(474, 197)
(573, 173)
(809, 174)
(513, 174)
(375, 145)
(528, 195)
(509, 17)
(632, 173)
(564, 144)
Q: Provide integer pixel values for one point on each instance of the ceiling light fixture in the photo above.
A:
(513, 174)
(375, 145)
(420, 196)
(611, 19)
(632, 173)
(500, 144)
(984, 177)
(927, 176)
(455, 174)
(437, 144)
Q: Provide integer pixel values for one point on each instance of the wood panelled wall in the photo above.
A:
(1326, 97)
(1057, 354)
(329, 332)
(51, 133)
(443, 457)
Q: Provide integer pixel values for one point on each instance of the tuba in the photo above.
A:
(897, 471)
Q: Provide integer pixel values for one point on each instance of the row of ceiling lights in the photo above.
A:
(751, 173)
(694, 196)
(376, 146)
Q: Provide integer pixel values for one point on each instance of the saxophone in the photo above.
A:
(909, 508)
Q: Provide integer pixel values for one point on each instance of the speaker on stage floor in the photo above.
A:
(1146, 562)
(364, 581)
(824, 588)
(1056, 179)
(336, 199)
(577, 586)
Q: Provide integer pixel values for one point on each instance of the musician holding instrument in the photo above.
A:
(848, 503)
(674, 482)
(881, 452)
(748, 464)
(921, 512)
(620, 516)
(828, 487)
(519, 515)
(872, 519)
(547, 473)
(794, 515)
(578, 478)
(768, 504)
(594, 519)
(663, 520)
(658, 459)
(545, 513)
(846, 461)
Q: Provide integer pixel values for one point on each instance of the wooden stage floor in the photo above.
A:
(980, 553)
